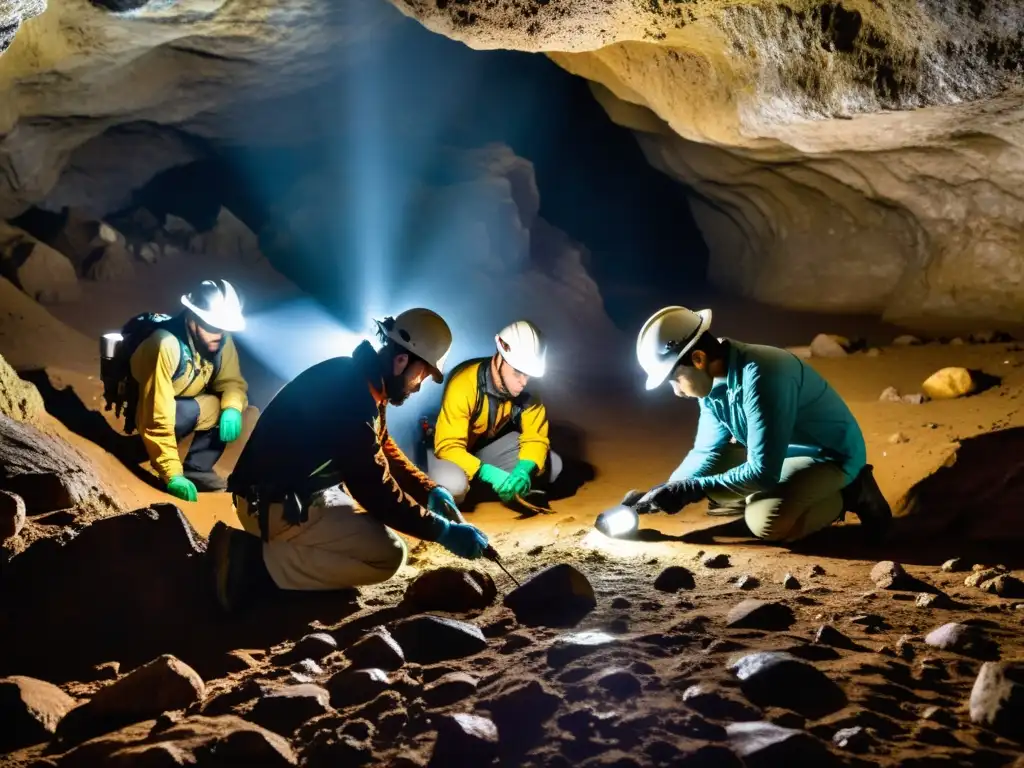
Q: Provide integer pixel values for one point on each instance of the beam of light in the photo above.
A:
(290, 338)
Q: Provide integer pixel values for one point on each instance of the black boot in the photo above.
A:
(864, 498)
(240, 575)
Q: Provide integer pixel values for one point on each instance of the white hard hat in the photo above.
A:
(521, 346)
(217, 305)
(666, 336)
(424, 333)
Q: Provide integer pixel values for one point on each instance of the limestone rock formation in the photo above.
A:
(12, 14)
(864, 155)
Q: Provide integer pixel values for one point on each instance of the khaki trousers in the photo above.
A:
(339, 546)
(807, 499)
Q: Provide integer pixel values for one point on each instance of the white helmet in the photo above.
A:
(424, 333)
(666, 336)
(521, 346)
(217, 305)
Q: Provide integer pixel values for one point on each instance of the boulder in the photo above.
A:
(826, 345)
(376, 649)
(465, 740)
(673, 579)
(285, 708)
(450, 589)
(81, 235)
(759, 614)
(557, 596)
(997, 699)
(40, 271)
(949, 383)
(773, 678)
(765, 745)
(162, 685)
(19, 399)
(30, 710)
(351, 686)
(430, 639)
(966, 639)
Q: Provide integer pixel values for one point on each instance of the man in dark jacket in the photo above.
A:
(322, 482)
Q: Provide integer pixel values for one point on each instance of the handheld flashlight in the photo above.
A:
(618, 521)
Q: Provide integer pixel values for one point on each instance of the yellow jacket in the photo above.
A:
(454, 436)
(153, 365)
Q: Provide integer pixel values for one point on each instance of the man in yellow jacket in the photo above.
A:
(490, 429)
(189, 382)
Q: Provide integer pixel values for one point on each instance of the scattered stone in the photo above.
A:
(949, 383)
(148, 253)
(306, 669)
(855, 739)
(108, 670)
(932, 669)
(568, 648)
(42, 272)
(717, 561)
(450, 688)
(465, 740)
(817, 570)
(789, 581)
(109, 264)
(891, 575)
(672, 579)
(980, 576)
(896, 438)
(890, 395)
(966, 639)
(906, 340)
(314, 646)
(759, 614)
(774, 678)
(30, 710)
(764, 745)
(997, 699)
(829, 635)
(451, 589)
(558, 596)
(621, 603)
(873, 352)
(356, 686)
(620, 684)
(827, 345)
(284, 709)
(939, 715)
(522, 705)
(905, 648)
(871, 621)
(376, 650)
(516, 642)
(933, 600)
(915, 398)
(1004, 585)
(430, 639)
(717, 704)
(12, 515)
(954, 565)
(162, 685)
(746, 581)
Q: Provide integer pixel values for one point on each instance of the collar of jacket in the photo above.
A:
(366, 360)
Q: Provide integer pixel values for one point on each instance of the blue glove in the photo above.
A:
(438, 502)
(463, 540)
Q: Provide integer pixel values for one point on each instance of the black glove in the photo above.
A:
(669, 497)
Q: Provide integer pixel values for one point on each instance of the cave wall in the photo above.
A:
(863, 155)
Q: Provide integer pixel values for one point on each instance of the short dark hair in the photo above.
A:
(707, 343)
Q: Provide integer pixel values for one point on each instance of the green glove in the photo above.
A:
(230, 424)
(519, 480)
(183, 488)
(494, 477)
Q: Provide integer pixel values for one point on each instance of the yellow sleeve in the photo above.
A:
(533, 442)
(229, 384)
(451, 433)
(153, 365)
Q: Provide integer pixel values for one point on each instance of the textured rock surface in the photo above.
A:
(814, 183)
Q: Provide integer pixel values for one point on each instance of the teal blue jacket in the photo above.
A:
(777, 407)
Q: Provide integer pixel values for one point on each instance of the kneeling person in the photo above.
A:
(490, 429)
(774, 440)
(321, 482)
(189, 383)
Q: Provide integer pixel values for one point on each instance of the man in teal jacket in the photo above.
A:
(774, 441)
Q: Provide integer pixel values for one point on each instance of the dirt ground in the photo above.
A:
(626, 697)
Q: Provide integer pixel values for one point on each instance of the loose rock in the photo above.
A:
(764, 745)
(780, 679)
(30, 710)
(12, 515)
(933, 600)
(314, 646)
(558, 596)
(451, 589)
(718, 705)
(356, 686)
(520, 706)
(717, 561)
(891, 575)
(1004, 585)
(430, 639)
(162, 685)
(465, 740)
(906, 340)
(954, 565)
(826, 345)
(450, 688)
(621, 684)
(949, 383)
(963, 638)
(746, 581)
(855, 739)
(377, 650)
(890, 395)
(898, 437)
(829, 635)
(997, 699)
(981, 575)
(673, 579)
(758, 614)
(284, 709)
(576, 645)
(789, 581)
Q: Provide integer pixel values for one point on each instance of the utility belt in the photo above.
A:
(259, 499)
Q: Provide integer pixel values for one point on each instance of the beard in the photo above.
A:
(397, 388)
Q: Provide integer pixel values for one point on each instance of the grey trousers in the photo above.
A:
(806, 499)
(503, 453)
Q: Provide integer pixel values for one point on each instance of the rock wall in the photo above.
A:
(863, 155)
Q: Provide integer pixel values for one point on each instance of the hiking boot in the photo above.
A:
(864, 498)
(734, 509)
(206, 481)
(239, 573)
(534, 502)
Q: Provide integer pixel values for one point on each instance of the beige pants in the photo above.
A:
(339, 545)
(806, 499)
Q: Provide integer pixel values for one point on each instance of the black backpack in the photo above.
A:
(120, 389)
